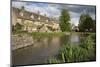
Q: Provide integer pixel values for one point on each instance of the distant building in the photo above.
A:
(75, 28)
(33, 22)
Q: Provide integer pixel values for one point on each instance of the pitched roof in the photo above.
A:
(27, 15)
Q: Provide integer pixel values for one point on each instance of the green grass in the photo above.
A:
(46, 34)
(83, 32)
(80, 53)
(40, 34)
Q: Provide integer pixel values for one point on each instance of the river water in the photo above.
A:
(43, 49)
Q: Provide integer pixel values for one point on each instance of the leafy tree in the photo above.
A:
(86, 23)
(94, 25)
(81, 20)
(64, 21)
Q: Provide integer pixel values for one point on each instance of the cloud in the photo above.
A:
(75, 21)
(74, 17)
(18, 4)
(76, 10)
(44, 8)
(54, 10)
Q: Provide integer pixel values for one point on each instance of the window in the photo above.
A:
(19, 20)
(32, 16)
(21, 13)
(39, 18)
(47, 20)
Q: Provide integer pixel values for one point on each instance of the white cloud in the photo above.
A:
(74, 18)
(18, 4)
(52, 10)
(48, 10)
(74, 14)
(75, 21)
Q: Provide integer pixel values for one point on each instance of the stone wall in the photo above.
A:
(20, 41)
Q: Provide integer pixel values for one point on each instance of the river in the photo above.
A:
(43, 49)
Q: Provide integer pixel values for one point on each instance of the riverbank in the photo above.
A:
(50, 33)
(23, 39)
(53, 49)
(20, 41)
(42, 34)
(83, 32)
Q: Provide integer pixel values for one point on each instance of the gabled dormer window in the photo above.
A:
(39, 18)
(32, 16)
(21, 13)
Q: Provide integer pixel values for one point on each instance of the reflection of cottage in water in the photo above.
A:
(33, 22)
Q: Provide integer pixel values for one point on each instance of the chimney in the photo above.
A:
(38, 12)
(22, 8)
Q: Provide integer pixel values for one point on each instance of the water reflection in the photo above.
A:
(42, 49)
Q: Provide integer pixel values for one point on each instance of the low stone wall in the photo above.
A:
(19, 41)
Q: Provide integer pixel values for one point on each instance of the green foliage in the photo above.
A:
(40, 34)
(83, 52)
(64, 21)
(94, 25)
(54, 60)
(46, 34)
(87, 43)
(86, 23)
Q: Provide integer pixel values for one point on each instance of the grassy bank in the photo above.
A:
(83, 32)
(46, 34)
(42, 34)
(84, 52)
(49, 34)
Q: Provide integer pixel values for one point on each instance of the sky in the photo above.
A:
(54, 10)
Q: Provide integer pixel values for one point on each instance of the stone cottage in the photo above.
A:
(33, 22)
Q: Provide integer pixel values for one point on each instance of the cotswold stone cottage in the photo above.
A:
(33, 22)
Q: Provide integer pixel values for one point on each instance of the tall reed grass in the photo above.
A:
(85, 51)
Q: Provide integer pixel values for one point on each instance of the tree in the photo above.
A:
(64, 21)
(94, 25)
(85, 23)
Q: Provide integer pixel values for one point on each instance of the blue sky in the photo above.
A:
(54, 10)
